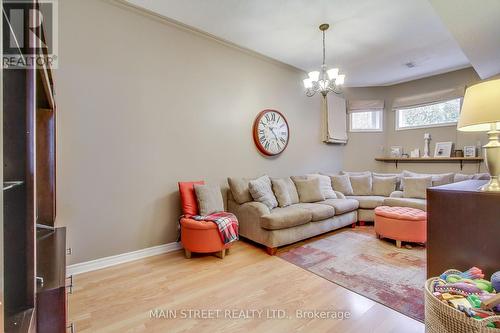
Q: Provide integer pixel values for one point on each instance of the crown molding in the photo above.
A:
(184, 27)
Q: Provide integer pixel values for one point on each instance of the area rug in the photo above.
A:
(377, 269)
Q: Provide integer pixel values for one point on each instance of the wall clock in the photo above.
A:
(271, 132)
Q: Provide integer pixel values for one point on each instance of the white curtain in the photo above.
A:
(405, 102)
(335, 119)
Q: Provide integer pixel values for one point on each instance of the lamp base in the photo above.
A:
(492, 159)
(492, 186)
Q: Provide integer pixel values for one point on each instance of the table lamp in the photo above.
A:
(481, 113)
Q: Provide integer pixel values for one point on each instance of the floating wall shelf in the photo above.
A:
(460, 160)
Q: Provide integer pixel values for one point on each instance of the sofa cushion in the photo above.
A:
(368, 201)
(416, 187)
(261, 191)
(406, 202)
(341, 205)
(319, 212)
(325, 184)
(239, 189)
(309, 190)
(342, 184)
(287, 217)
(361, 185)
(209, 199)
(285, 191)
(383, 186)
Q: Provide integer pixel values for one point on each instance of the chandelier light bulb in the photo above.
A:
(308, 83)
(333, 73)
(314, 76)
(340, 80)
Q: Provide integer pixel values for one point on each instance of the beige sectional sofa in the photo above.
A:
(291, 212)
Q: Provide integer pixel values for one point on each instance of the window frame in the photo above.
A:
(381, 111)
(448, 124)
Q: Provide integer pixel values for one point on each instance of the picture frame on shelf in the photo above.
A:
(415, 153)
(396, 151)
(470, 151)
(443, 149)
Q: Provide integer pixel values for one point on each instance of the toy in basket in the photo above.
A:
(462, 302)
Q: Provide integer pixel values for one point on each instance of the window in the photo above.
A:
(430, 115)
(366, 121)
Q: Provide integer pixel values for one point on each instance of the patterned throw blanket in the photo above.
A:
(227, 224)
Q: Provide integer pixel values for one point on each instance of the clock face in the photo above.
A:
(271, 132)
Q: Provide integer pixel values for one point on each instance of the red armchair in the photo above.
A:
(198, 236)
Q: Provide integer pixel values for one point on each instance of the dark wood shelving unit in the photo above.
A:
(460, 160)
(35, 297)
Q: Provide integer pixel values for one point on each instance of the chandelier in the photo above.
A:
(325, 80)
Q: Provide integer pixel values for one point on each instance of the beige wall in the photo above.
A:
(376, 144)
(142, 105)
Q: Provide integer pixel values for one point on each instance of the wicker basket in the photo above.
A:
(442, 318)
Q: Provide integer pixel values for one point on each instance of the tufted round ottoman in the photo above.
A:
(401, 224)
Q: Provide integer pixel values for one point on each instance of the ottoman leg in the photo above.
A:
(187, 253)
(398, 243)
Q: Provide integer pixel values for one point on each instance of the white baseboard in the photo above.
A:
(96, 264)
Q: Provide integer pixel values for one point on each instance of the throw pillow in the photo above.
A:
(397, 175)
(437, 179)
(460, 177)
(342, 184)
(209, 199)
(261, 191)
(383, 186)
(482, 176)
(442, 179)
(309, 190)
(416, 187)
(361, 185)
(356, 173)
(239, 189)
(325, 184)
(285, 191)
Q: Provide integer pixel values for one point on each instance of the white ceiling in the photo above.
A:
(370, 40)
(476, 27)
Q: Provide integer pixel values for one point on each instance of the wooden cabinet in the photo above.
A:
(51, 291)
(463, 228)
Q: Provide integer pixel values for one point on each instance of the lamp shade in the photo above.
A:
(481, 107)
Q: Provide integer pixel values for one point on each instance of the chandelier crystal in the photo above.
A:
(325, 80)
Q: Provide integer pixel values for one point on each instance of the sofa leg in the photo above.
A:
(378, 236)
(228, 251)
(353, 225)
(271, 250)
(221, 254)
(398, 243)
(187, 253)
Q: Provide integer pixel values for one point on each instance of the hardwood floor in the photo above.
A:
(120, 298)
